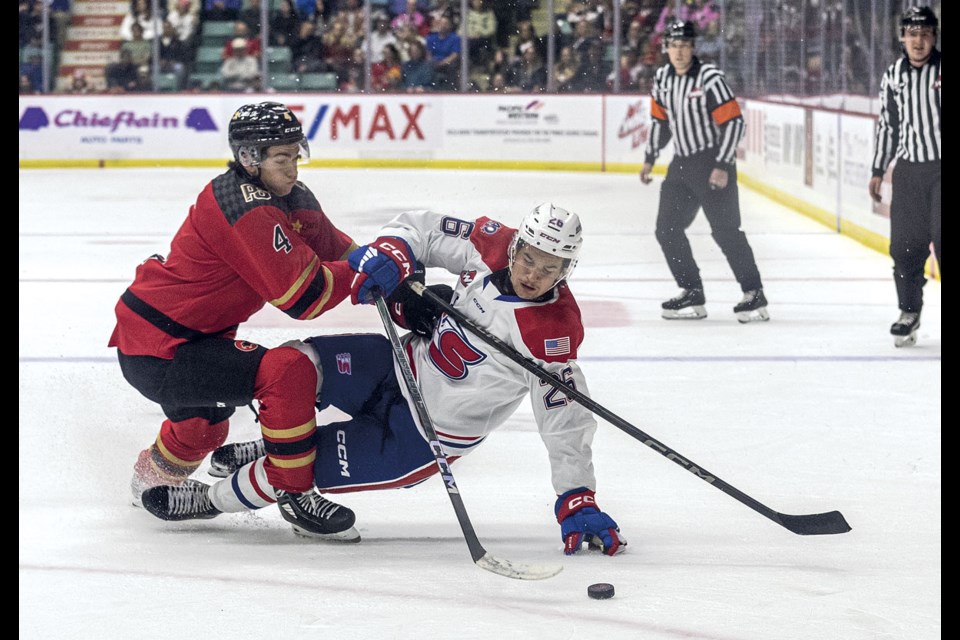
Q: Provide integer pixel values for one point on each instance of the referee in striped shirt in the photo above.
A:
(693, 105)
(909, 130)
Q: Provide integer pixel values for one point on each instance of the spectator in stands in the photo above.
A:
(250, 15)
(144, 82)
(141, 51)
(529, 76)
(527, 34)
(386, 76)
(629, 70)
(141, 12)
(32, 68)
(121, 76)
(443, 48)
(501, 62)
(380, 37)
(405, 35)
(506, 12)
(338, 46)
(398, 7)
(417, 71)
(354, 14)
(241, 71)
(353, 81)
(586, 37)
(242, 32)
(565, 69)
(592, 73)
(306, 9)
(411, 17)
(79, 84)
(498, 84)
(26, 85)
(184, 15)
(308, 51)
(635, 37)
(175, 55)
(710, 43)
(31, 23)
(481, 32)
(221, 9)
(444, 9)
(586, 11)
(284, 25)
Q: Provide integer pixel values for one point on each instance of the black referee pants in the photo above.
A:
(684, 191)
(914, 224)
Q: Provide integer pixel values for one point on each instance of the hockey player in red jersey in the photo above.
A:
(255, 235)
(511, 282)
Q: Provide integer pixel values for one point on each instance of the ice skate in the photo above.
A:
(230, 457)
(313, 516)
(189, 501)
(688, 305)
(905, 328)
(752, 308)
(153, 470)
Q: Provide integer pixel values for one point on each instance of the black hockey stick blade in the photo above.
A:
(480, 556)
(815, 524)
(810, 524)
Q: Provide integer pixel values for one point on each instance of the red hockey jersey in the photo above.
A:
(239, 248)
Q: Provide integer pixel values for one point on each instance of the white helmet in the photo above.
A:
(552, 230)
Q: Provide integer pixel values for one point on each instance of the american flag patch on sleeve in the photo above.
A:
(556, 346)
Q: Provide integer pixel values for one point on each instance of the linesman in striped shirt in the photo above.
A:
(692, 104)
(909, 130)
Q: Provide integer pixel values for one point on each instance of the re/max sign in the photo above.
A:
(378, 123)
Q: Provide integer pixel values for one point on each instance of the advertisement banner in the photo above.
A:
(545, 129)
(856, 151)
(626, 133)
(193, 127)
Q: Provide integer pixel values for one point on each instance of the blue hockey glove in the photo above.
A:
(582, 521)
(383, 265)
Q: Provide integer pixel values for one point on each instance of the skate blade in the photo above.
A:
(905, 341)
(219, 472)
(347, 535)
(689, 313)
(759, 315)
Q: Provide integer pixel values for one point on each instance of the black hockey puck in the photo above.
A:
(600, 591)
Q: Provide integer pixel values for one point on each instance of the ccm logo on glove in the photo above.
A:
(382, 266)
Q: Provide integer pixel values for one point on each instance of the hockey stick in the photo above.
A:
(480, 556)
(809, 524)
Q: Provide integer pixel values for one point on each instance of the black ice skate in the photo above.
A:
(905, 329)
(313, 516)
(686, 306)
(230, 457)
(188, 501)
(753, 307)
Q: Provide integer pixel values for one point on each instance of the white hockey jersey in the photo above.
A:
(470, 388)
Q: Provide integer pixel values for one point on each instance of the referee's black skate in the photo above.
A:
(905, 328)
(688, 305)
(230, 457)
(313, 516)
(753, 307)
(188, 501)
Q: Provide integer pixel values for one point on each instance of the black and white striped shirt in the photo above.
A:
(697, 110)
(909, 123)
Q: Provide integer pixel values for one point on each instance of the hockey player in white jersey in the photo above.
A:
(511, 282)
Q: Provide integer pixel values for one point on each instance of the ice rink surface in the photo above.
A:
(814, 411)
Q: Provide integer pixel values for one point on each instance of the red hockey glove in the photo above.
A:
(382, 265)
(581, 521)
